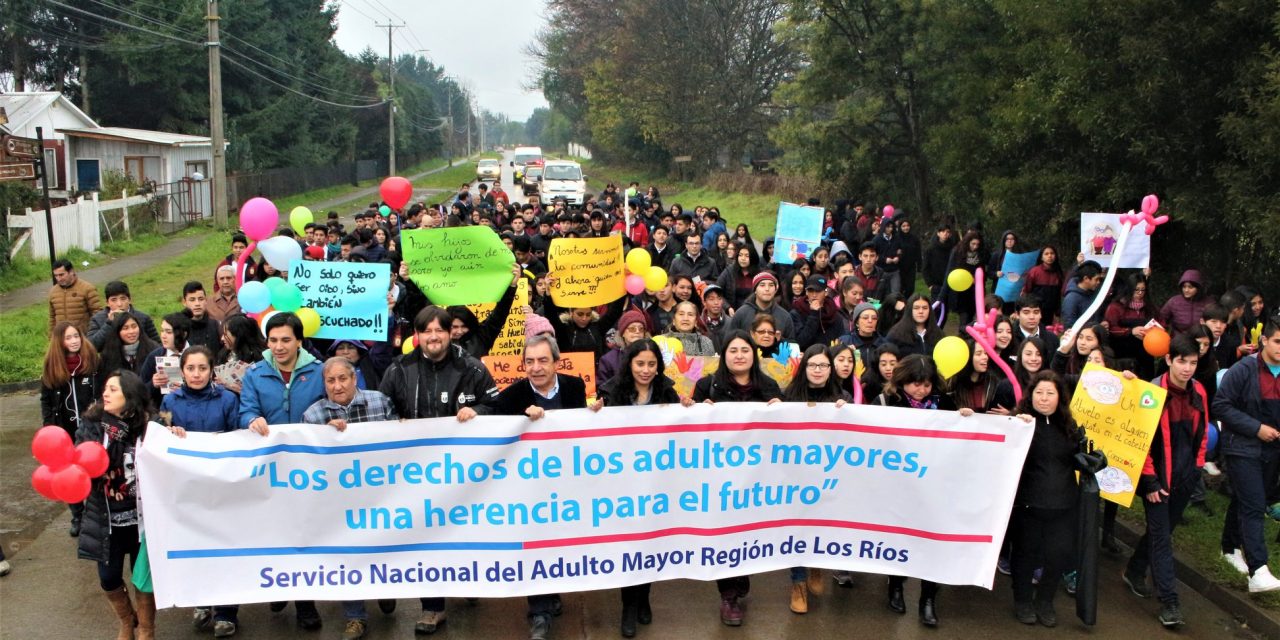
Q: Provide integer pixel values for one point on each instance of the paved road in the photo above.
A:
(52, 596)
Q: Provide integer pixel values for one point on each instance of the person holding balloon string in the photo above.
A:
(1073, 353)
(69, 384)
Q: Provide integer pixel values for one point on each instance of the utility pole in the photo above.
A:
(449, 129)
(391, 102)
(467, 96)
(215, 118)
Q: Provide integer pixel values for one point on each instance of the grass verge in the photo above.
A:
(1197, 541)
(155, 292)
(25, 270)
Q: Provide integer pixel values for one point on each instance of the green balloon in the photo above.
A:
(277, 287)
(384, 210)
(289, 299)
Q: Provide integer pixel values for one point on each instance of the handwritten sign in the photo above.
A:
(1121, 417)
(588, 271)
(351, 297)
(511, 341)
(798, 232)
(458, 265)
(508, 369)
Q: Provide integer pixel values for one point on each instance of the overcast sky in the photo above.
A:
(480, 44)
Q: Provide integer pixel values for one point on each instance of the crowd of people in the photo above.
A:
(851, 309)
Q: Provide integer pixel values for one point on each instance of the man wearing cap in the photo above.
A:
(694, 262)
(816, 316)
(763, 299)
(714, 317)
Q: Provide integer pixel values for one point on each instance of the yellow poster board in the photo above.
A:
(1121, 417)
(586, 272)
(510, 341)
(506, 370)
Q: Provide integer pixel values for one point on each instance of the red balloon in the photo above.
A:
(396, 192)
(92, 458)
(42, 482)
(71, 484)
(52, 446)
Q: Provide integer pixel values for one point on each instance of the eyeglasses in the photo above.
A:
(818, 366)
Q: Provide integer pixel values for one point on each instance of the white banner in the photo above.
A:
(500, 506)
(1099, 234)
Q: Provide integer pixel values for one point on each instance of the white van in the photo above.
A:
(525, 155)
(563, 179)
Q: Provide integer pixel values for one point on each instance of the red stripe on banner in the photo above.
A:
(755, 526)
(776, 426)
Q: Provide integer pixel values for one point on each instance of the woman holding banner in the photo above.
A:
(814, 382)
(916, 385)
(739, 379)
(640, 382)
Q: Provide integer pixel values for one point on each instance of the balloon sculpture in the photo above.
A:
(982, 331)
(1127, 222)
(66, 471)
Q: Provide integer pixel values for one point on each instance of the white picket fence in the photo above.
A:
(578, 151)
(77, 225)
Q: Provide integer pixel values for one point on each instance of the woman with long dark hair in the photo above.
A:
(639, 382)
(1127, 317)
(1073, 353)
(1044, 509)
(970, 254)
(112, 524)
(737, 278)
(878, 371)
(242, 345)
(916, 332)
(174, 330)
(916, 385)
(1045, 280)
(739, 379)
(974, 387)
(126, 346)
(69, 385)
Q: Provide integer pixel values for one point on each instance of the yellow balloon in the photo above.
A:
(655, 279)
(950, 354)
(960, 280)
(639, 261)
(310, 321)
(407, 347)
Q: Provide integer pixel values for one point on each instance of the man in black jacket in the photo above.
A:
(436, 380)
(542, 390)
(936, 258)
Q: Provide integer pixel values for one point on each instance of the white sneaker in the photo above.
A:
(5, 568)
(1236, 560)
(1212, 469)
(1262, 581)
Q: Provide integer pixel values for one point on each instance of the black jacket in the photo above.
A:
(661, 392)
(703, 266)
(709, 389)
(1049, 472)
(64, 405)
(421, 388)
(205, 331)
(520, 396)
(936, 258)
(94, 542)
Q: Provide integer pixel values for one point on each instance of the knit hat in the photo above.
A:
(632, 316)
(535, 324)
(761, 277)
(863, 306)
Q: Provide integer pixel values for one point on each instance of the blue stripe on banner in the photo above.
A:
(352, 448)
(187, 554)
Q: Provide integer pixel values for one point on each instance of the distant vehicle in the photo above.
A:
(563, 179)
(532, 174)
(488, 169)
(524, 156)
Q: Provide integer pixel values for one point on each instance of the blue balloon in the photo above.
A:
(254, 297)
(1213, 439)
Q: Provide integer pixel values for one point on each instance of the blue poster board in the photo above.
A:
(351, 297)
(798, 233)
(1016, 265)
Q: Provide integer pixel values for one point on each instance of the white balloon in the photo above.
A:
(280, 251)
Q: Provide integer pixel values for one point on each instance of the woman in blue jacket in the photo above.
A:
(200, 405)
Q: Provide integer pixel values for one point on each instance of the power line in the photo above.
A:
(161, 23)
(123, 24)
(357, 10)
(311, 83)
(286, 87)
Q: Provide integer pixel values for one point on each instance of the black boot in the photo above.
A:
(644, 613)
(896, 602)
(928, 612)
(630, 613)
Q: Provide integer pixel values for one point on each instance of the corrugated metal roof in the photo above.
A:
(140, 135)
(26, 105)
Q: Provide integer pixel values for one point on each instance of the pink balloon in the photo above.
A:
(71, 484)
(259, 218)
(634, 285)
(52, 446)
(888, 211)
(1150, 204)
(92, 458)
(42, 482)
(396, 191)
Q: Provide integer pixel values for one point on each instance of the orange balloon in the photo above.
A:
(1156, 342)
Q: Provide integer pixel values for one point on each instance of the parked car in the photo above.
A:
(488, 169)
